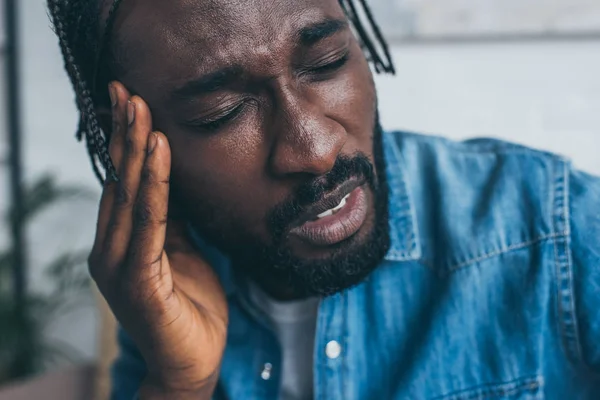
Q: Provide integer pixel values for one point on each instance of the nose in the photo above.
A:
(306, 140)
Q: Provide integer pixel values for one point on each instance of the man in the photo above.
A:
(259, 237)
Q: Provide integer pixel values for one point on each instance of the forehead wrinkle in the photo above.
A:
(264, 46)
(210, 33)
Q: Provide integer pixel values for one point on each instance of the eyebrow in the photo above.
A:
(210, 82)
(312, 34)
(213, 81)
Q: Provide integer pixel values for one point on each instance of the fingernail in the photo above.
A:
(112, 91)
(130, 112)
(152, 142)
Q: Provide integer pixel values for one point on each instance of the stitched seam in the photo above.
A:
(492, 146)
(496, 390)
(344, 344)
(401, 256)
(504, 250)
(540, 155)
(566, 317)
(563, 277)
(318, 363)
(413, 245)
(407, 216)
(568, 323)
(569, 264)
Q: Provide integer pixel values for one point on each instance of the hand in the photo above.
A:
(166, 297)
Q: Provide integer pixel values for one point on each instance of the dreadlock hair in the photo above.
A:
(77, 25)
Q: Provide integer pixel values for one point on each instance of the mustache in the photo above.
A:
(346, 167)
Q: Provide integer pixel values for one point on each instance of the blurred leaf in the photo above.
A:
(5, 261)
(20, 338)
(58, 351)
(45, 192)
(23, 346)
(68, 271)
(5, 272)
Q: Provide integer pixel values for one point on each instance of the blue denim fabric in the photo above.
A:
(491, 289)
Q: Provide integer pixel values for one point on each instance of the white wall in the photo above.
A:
(542, 94)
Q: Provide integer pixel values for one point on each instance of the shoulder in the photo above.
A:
(479, 198)
(427, 147)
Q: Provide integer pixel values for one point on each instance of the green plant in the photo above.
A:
(24, 348)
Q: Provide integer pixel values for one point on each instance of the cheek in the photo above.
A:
(220, 178)
(350, 100)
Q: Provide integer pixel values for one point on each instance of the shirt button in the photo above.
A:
(266, 372)
(333, 349)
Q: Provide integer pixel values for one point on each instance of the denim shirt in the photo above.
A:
(490, 290)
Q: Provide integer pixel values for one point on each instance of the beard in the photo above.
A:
(276, 268)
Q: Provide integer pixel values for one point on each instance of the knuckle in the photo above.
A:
(124, 196)
(147, 217)
(109, 184)
(116, 128)
(148, 176)
(129, 144)
(151, 177)
(143, 214)
(132, 145)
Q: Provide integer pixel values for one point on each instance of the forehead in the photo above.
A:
(212, 31)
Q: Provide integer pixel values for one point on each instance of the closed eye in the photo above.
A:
(332, 66)
(210, 124)
(324, 70)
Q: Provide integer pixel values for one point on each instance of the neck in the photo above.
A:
(276, 290)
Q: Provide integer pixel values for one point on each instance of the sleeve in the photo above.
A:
(128, 371)
(584, 227)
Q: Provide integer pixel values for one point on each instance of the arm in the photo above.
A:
(129, 373)
(162, 292)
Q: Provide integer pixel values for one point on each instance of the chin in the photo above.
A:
(304, 270)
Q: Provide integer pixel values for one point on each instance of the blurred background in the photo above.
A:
(522, 70)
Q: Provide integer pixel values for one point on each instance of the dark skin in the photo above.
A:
(289, 92)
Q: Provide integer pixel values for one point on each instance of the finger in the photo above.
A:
(119, 99)
(134, 155)
(104, 210)
(151, 209)
(118, 95)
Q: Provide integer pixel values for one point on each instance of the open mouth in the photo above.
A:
(335, 218)
(334, 210)
(330, 204)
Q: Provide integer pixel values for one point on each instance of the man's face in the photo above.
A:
(270, 111)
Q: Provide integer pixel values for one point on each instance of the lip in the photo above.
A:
(330, 200)
(338, 227)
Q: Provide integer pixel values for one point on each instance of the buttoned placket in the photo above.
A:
(330, 342)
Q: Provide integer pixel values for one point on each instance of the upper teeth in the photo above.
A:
(335, 209)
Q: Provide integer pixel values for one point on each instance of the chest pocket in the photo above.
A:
(522, 389)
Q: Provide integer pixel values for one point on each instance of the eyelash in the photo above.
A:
(332, 66)
(210, 126)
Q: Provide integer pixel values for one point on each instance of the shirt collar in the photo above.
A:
(404, 238)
